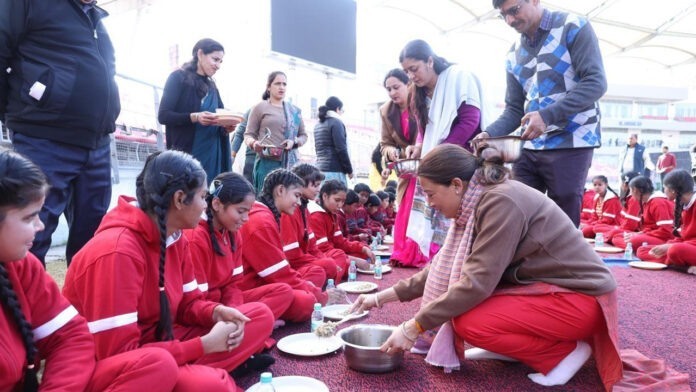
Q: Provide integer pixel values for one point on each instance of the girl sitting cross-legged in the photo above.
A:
(606, 207)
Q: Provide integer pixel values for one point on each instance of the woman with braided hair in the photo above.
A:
(264, 259)
(135, 279)
(656, 215)
(680, 252)
(216, 248)
(38, 323)
(300, 242)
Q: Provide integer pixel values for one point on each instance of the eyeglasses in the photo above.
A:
(512, 11)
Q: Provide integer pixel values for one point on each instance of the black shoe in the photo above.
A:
(255, 364)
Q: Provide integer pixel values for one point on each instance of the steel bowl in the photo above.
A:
(361, 343)
(405, 167)
(509, 147)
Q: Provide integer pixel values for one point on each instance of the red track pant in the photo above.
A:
(312, 273)
(537, 330)
(679, 253)
(637, 240)
(256, 332)
(301, 306)
(273, 295)
(144, 369)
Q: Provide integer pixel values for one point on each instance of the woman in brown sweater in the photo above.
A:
(514, 278)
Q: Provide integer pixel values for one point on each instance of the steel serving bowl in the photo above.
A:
(405, 167)
(361, 343)
(509, 147)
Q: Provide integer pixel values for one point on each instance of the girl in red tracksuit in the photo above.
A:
(323, 222)
(606, 207)
(299, 241)
(263, 256)
(587, 206)
(37, 323)
(656, 216)
(679, 186)
(216, 248)
(629, 220)
(135, 277)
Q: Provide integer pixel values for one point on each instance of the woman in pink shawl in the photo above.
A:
(514, 278)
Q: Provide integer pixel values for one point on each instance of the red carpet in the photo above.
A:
(656, 317)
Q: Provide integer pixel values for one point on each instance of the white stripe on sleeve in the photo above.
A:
(665, 222)
(322, 240)
(203, 287)
(291, 246)
(190, 286)
(113, 322)
(238, 270)
(273, 268)
(55, 324)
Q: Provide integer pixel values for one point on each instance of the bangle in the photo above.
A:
(195, 117)
(377, 302)
(403, 330)
(418, 326)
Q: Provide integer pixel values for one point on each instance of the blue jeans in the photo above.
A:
(80, 188)
(336, 176)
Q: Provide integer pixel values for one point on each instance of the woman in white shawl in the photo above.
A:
(447, 103)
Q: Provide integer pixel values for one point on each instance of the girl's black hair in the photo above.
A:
(361, 187)
(392, 183)
(420, 50)
(382, 195)
(163, 175)
(605, 180)
(21, 183)
(626, 179)
(201, 83)
(377, 158)
(332, 103)
(229, 188)
(274, 179)
(681, 182)
(373, 201)
(271, 77)
(390, 189)
(396, 73)
(330, 187)
(309, 174)
(392, 197)
(644, 187)
(352, 197)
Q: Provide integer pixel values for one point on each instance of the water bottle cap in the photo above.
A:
(266, 377)
(352, 262)
(317, 306)
(330, 282)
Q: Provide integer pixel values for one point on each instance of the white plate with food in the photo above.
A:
(294, 384)
(308, 345)
(357, 287)
(382, 253)
(608, 249)
(382, 247)
(590, 240)
(371, 271)
(389, 240)
(338, 312)
(649, 265)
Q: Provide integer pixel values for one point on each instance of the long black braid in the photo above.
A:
(681, 182)
(274, 179)
(626, 191)
(164, 174)
(229, 188)
(21, 183)
(310, 175)
(644, 186)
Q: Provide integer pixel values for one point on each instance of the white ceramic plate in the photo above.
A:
(382, 253)
(294, 384)
(382, 247)
(337, 312)
(389, 240)
(649, 265)
(608, 249)
(590, 240)
(357, 287)
(308, 345)
(371, 271)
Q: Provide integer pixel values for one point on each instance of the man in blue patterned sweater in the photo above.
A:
(555, 77)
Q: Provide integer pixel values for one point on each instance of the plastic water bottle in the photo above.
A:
(599, 240)
(628, 253)
(317, 317)
(266, 384)
(373, 244)
(330, 284)
(352, 272)
(378, 268)
(379, 238)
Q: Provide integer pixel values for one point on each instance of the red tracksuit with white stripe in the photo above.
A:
(265, 262)
(302, 254)
(329, 235)
(587, 206)
(62, 339)
(629, 218)
(656, 226)
(218, 276)
(113, 282)
(682, 250)
(606, 211)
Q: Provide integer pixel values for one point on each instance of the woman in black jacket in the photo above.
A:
(330, 142)
(188, 106)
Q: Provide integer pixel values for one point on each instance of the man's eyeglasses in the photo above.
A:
(512, 11)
